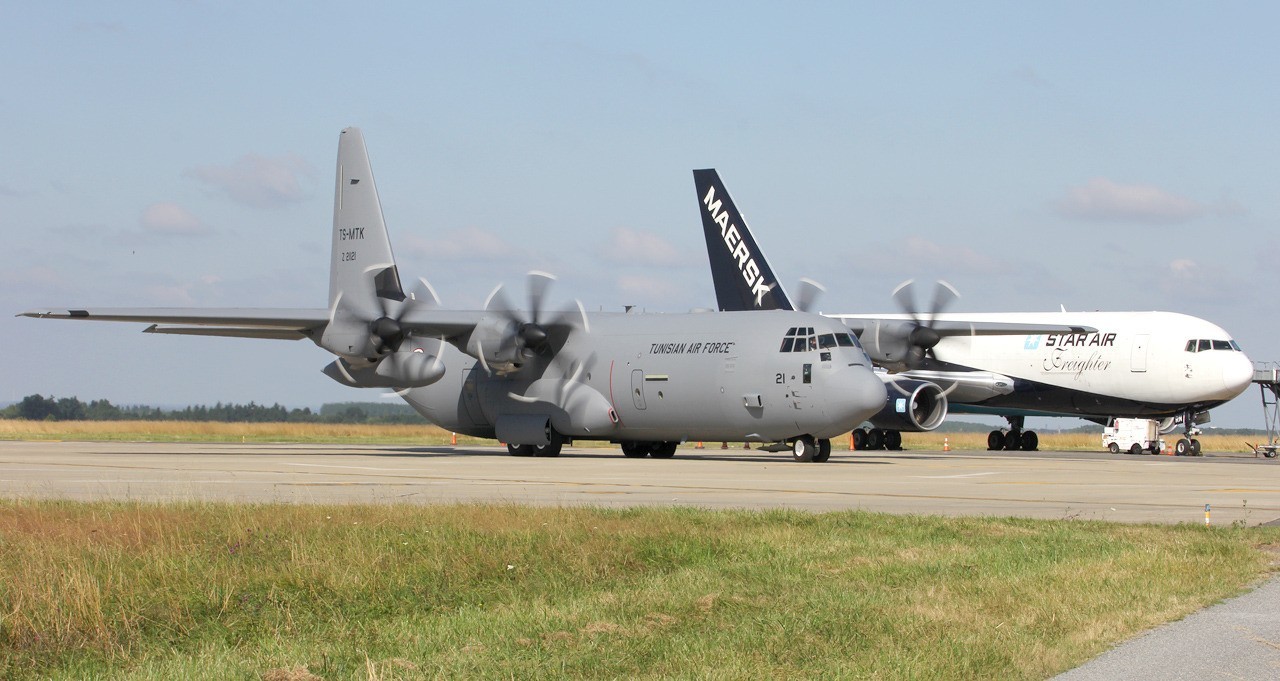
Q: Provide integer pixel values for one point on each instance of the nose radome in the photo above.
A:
(1237, 373)
(865, 393)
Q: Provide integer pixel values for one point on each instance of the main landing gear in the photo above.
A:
(555, 443)
(654, 450)
(1015, 439)
(877, 438)
(1188, 445)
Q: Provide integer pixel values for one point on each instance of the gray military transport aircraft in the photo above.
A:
(537, 380)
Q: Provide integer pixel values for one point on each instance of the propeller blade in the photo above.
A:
(943, 295)
(904, 295)
(538, 284)
(810, 291)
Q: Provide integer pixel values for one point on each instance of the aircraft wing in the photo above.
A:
(288, 324)
(240, 322)
(970, 328)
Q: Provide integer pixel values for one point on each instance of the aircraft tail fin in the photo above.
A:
(363, 268)
(742, 276)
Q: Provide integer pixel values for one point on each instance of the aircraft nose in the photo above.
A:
(864, 395)
(1237, 373)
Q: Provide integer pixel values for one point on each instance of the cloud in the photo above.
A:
(934, 256)
(649, 288)
(170, 218)
(1102, 199)
(258, 181)
(641, 247)
(462, 244)
(1187, 280)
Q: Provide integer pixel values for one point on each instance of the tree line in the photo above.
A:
(41, 408)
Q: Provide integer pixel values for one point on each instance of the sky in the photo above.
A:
(1092, 155)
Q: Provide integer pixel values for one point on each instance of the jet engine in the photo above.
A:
(912, 406)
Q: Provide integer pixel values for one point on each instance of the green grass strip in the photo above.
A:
(219, 591)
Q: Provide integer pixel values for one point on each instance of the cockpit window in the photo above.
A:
(1204, 344)
(845, 340)
(826, 340)
(799, 339)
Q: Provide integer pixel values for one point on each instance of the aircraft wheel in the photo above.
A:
(1181, 447)
(995, 440)
(1136, 449)
(552, 448)
(635, 450)
(875, 439)
(1030, 441)
(859, 438)
(1115, 448)
(663, 450)
(1155, 448)
(520, 450)
(824, 451)
(893, 440)
(1013, 441)
(804, 448)
(1195, 448)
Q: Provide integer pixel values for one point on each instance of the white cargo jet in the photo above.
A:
(1091, 365)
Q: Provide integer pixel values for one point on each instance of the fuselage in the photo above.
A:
(1137, 364)
(670, 377)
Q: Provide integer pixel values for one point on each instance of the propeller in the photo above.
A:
(810, 291)
(922, 336)
(534, 328)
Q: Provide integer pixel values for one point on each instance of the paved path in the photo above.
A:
(1040, 485)
(1238, 639)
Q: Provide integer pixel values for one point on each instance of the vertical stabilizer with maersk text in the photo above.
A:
(743, 278)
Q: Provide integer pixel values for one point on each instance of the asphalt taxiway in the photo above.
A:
(1237, 488)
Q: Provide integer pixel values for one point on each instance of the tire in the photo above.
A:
(635, 450)
(1135, 449)
(893, 440)
(859, 438)
(552, 448)
(1155, 449)
(995, 441)
(1013, 441)
(1269, 453)
(824, 451)
(1195, 448)
(803, 449)
(1182, 447)
(1115, 448)
(520, 450)
(875, 439)
(663, 450)
(1030, 441)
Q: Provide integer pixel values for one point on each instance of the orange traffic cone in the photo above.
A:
(699, 445)
(455, 439)
(946, 444)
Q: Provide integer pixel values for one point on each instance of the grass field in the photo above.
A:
(187, 431)
(211, 591)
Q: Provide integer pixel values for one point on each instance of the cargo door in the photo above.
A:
(1138, 360)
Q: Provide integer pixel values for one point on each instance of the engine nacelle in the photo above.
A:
(398, 370)
(496, 341)
(887, 342)
(912, 406)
